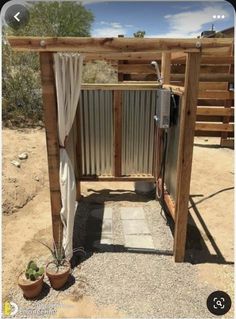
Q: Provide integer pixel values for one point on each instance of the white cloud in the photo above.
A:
(191, 23)
(109, 29)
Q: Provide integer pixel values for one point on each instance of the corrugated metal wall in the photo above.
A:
(96, 125)
(97, 132)
(138, 110)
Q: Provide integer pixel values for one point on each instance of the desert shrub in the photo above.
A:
(22, 98)
(21, 87)
(99, 72)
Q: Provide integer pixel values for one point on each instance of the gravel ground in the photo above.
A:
(139, 285)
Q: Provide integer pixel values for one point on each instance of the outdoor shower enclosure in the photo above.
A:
(121, 143)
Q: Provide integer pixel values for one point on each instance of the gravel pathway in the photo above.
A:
(139, 285)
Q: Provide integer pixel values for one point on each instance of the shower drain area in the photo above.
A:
(118, 228)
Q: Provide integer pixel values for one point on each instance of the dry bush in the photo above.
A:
(99, 72)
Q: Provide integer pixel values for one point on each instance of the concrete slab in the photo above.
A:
(107, 226)
(133, 227)
(139, 241)
(132, 213)
(102, 213)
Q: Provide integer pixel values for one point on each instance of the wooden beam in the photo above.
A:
(214, 127)
(169, 202)
(215, 95)
(227, 143)
(123, 178)
(117, 132)
(99, 45)
(227, 102)
(207, 77)
(50, 120)
(78, 152)
(215, 111)
(165, 67)
(176, 69)
(180, 58)
(185, 153)
(121, 86)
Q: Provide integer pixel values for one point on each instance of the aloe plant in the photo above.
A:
(58, 253)
(33, 271)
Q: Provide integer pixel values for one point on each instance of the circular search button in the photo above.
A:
(219, 303)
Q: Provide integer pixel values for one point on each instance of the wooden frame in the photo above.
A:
(128, 49)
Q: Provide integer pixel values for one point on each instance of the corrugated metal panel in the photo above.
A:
(138, 110)
(96, 125)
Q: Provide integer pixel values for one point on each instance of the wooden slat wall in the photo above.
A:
(215, 113)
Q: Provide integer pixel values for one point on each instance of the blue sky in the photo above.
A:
(159, 18)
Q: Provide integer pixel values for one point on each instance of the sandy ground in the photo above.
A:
(27, 218)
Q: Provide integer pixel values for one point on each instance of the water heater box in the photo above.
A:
(163, 108)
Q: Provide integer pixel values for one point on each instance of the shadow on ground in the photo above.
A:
(88, 230)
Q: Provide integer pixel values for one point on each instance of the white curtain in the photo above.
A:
(68, 77)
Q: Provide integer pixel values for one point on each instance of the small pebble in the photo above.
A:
(23, 156)
(15, 163)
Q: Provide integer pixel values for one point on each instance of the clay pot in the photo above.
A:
(31, 289)
(58, 279)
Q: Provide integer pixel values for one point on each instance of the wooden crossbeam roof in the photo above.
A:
(113, 46)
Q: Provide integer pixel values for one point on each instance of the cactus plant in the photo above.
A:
(33, 271)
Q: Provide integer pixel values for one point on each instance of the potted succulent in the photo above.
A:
(31, 280)
(58, 269)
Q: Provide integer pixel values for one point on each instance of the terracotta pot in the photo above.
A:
(58, 280)
(31, 289)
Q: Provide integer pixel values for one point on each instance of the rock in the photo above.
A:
(23, 156)
(12, 179)
(15, 163)
(206, 140)
(37, 178)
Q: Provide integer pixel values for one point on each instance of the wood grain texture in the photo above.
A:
(50, 120)
(92, 45)
(185, 153)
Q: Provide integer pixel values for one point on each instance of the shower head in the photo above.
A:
(155, 65)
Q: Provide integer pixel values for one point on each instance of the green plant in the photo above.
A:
(58, 253)
(33, 271)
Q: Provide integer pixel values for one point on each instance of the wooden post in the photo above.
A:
(184, 163)
(227, 104)
(117, 100)
(78, 153)
(165, 67)
(50, 120)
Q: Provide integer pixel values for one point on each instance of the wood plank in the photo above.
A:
(214, 127)
(121, 86)
(178, 69)
(177, 89)
(215, 111)
(123, 178)
(216, 95)
(92, 45)
(117, 104)
(165, 67)
(207, 77)
(50, 120)
(78, 151)
(169, 202)
(212, 134)
(185, 153)
(223, 60)
(213, 86)
(227, 143)
(227, 103)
